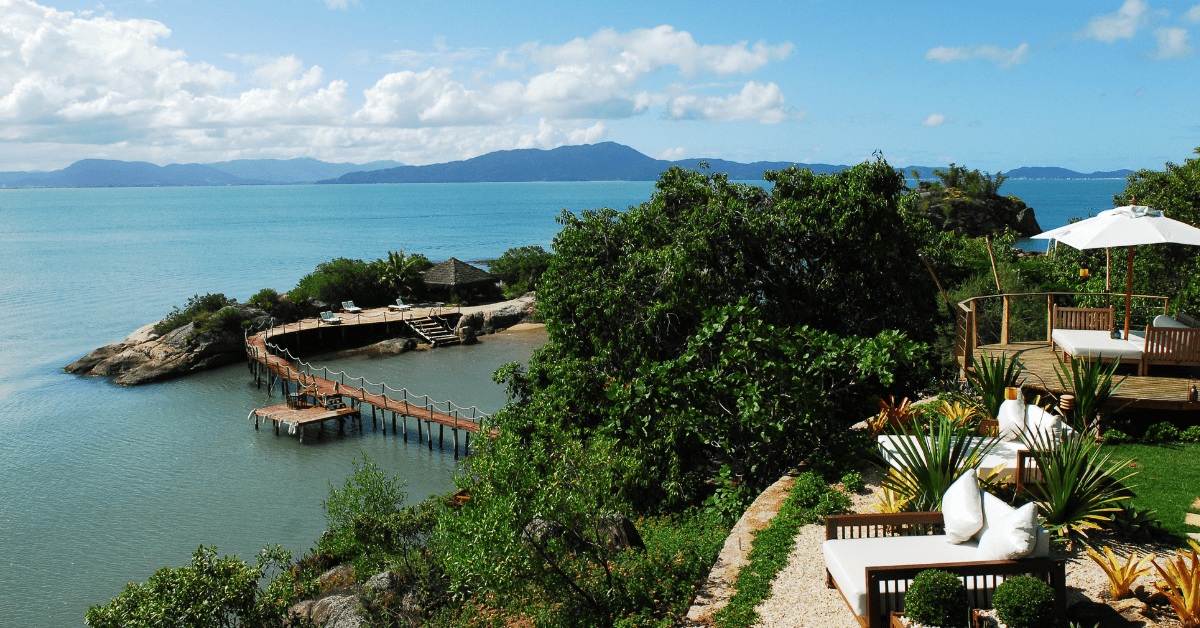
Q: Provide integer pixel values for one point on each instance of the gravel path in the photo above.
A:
(800, 599)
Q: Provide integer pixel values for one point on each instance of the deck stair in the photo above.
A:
(434, 331)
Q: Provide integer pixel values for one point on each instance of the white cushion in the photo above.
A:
(962, 508)
(1011, 537)
(1098, 344)
(1041, 423)
(1011, 418)
(848, 559)
(1162, 320)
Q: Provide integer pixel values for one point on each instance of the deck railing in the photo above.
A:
(1025, 317)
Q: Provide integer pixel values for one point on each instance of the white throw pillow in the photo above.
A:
(1041, 423)
(994, 509)
(1011, 419)
(1162, 320)
(1010, 538)
(962, 508)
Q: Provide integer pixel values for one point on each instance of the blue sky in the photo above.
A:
(1098, 86)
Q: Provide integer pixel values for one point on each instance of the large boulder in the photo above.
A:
(145, 357)
(976, 217)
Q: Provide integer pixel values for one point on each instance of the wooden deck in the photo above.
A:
(1167, 388)
(313, 388)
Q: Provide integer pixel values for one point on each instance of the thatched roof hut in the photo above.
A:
(452, 275)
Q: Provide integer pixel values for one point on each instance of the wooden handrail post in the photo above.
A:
(974, 324)
(1049, 316)
(1004, 322)
(968, 344)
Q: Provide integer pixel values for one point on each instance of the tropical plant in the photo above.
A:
(990, 375)
(521, 268)
(891, 414)
(1130, 523)
(853, 482)
(1025, 602)
(1121, 576)
(927, 464)
(401, 272)
(960, 413)
(1182, 576)
(937, 598)
(1080, 483)
(1091, 382)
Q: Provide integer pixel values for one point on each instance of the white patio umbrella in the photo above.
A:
(1130, 226)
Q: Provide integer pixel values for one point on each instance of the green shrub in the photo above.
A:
(937, 598)
(731, 498)
(1025, 602)
(367, 492)
(1191, 434)
(807, 490)
(1161, 432)
(853, 482)
(1114, 436)
(197, 310)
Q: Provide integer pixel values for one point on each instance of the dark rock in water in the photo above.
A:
(977, 217)
(145, 357)
(466, 335)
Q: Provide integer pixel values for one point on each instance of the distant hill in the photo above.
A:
(300, 170)
(108, 173)
(606, 161)
(1063, 173)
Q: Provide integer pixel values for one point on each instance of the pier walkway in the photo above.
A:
(314, 396)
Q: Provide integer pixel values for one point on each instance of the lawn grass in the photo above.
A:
(1168, 480)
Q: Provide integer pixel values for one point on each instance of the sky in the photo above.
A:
(1085, 86)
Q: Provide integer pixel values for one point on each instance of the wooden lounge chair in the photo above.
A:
(350, 308)
(399, 306)
(328, 317)
(871, 559)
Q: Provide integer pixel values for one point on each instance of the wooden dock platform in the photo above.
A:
(1167, 388)
(314, 392)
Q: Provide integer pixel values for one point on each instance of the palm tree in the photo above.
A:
(401, 272)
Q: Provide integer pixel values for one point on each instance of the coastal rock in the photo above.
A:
(494, 320)
(977, 217)
(145, 357)
(337, 611)
(382, 583)
(337, 577)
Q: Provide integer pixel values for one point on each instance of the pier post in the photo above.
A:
(455, 443)
(276, 428)
(420, 436)
(441, 436)
(393, 422)
(467, 445)
(429, 434)
(255, 421)
(405, 419)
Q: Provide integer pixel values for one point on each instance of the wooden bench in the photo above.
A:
(885, 585)
(1170, 346)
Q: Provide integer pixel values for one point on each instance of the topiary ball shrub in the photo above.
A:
(1025, 602)
(937, 598)
(1161, 432)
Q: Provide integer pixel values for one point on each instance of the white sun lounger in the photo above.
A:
(400, 306)
(328, 317)
(350, 307)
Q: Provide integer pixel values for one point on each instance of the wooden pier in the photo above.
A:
(313, 399)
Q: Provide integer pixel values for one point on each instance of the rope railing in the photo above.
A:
(302, 367)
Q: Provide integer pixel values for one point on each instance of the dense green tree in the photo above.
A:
(401, 272)
(343, 279)
(520, 268)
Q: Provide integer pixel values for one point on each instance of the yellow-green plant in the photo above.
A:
(1121, 576)
(892, 499)
(1182, 576)
(1081, 484)
(959, 413)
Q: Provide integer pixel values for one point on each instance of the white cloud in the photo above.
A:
(1192, 15)
(672, 154)
(756, 101)
(340, 4)
(1003, 57)
(936, 119)
(95, 85)
(1123, 24)
(1172, 44)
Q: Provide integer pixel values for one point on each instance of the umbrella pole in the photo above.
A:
(1128, 291)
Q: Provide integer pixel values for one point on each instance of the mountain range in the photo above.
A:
(606, 161)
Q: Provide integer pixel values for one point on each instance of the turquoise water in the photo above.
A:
(101, 485)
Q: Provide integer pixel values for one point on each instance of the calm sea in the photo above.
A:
(101, 485)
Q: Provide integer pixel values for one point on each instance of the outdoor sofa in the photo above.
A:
(872, 558)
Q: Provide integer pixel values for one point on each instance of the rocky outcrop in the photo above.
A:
(976, 217)
(343, 605)
(490, 321)
(145, 357)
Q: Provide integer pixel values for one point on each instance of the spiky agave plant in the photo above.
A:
(1121, 576)
(989, 377)
(929, 463)
(1080, 484)
(1182, 578)
(1092, 383)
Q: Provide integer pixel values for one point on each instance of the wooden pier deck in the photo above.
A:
(309, 386)
(1168, 388)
